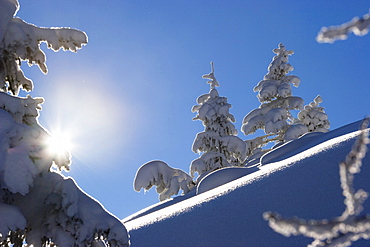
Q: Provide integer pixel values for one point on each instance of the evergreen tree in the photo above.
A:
(38, 205)
(275, 95)
(312, 118)
(218, 144)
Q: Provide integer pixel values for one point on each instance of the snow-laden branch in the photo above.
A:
(208, 162)
(20, 41)
(59, 212)
(168, 180)
(12, 219)
(212, 141)
(23, 110)
(271, 116)
(38, 206)
(359, 26)
(45, 206)
(347, 228)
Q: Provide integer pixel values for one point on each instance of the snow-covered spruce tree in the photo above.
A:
(350, 226)
(311, 119)
(359, 26)
(168, 180)
(314, 116)
(218, 144)
(275, 95)
(38, 205)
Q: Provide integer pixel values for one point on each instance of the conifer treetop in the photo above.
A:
(211, 77)
(279, 66)
(276, 83)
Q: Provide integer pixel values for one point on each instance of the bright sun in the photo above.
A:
(60, 143)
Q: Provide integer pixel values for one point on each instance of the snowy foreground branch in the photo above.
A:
(347, 228)
(359, 26)
(38, 205)
(20, 41)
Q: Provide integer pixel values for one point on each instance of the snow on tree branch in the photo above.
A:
(12, 219)
(21, 41)
(59, 211)
(347, 228)
(38, 205)
(24, 154)
(168, 180)
(23, 110)
(359, 26)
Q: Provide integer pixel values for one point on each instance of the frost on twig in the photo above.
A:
(347, 228)
(359, 26)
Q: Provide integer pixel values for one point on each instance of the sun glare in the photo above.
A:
(60, 143)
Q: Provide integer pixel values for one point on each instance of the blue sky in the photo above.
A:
(126, 97)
